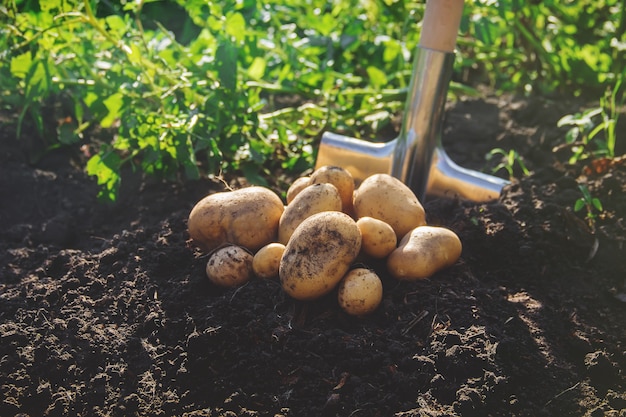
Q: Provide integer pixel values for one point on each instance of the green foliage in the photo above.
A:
(193, 88)
(574, 46)
(591, 205)
(508, 161)
(187, 109)
(595, 126)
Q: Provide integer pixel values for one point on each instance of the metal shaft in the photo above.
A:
(421, 127)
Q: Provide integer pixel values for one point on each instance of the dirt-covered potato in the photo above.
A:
(247, 217)
(340, 178)
(313, 199)
(229, 266)
(267, 260)
(298, 185)
(424, 251)
(378, 238)
(360, 292)
(386, 198)
(319, 254)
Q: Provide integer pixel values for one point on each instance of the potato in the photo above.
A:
(378, 238)
(298, 185)
(267, 260)
(313, 199)
(247, 217)
(340, 178)
(360, 292)
(229, 266)
(424, 251)
(319, 254)
(388, 199)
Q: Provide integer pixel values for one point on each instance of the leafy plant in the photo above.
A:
(246, 87)
(187, 109)
(591, 205)
(508, 161)
(570, 47)
(594, 126)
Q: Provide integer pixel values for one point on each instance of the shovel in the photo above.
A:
(416, 156)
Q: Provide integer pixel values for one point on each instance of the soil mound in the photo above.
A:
(105, 310)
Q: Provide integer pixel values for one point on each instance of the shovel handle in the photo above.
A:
(440, 26)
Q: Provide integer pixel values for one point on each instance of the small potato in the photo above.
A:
(340, 178)
(313, 199)
(267, 260)
(319, 254)
(388, 199)
(247, 217)
(360, 292)
(424, 251)
(229, 266)
(298, 185)
(378, 238)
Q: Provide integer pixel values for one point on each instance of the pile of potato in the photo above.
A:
(313, 243)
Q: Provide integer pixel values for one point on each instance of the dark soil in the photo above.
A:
(106, 311)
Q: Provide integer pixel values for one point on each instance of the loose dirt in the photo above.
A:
(106, 311)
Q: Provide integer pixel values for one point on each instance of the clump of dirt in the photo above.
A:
(105, 310)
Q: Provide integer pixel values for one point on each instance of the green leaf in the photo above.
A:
(20, 64)
(568, 119)
(38, 80)
(377, 77)
(113, 104)
(572, 135)
(236, 26)
(485, 30)
(324, 24)
(49, 5)
(106, 168)
(590, 114)
(186, 157)
(134, 54)
(392, 51)
(67, 133)
(579, 204)
(597, 204)
(257, 68)
(585, 192)
(116, 24)
(79, 111)
(226, 57)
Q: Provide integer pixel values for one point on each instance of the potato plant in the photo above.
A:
(192, 93)
(317, 243)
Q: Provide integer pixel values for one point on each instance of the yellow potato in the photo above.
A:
(424, 251)
(247, 217)
(298, 185)
(319, 254)
(229, 266)
(267, 260)
(378, 238)
(313, 199)
(340, 178)
(386, 198)
(360, 292)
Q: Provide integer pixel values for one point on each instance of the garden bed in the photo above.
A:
(105, 309)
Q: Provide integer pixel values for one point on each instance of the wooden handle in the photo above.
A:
(440, 26)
